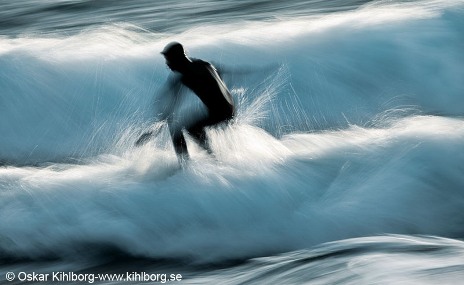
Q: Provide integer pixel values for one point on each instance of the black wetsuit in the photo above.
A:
(202, 78)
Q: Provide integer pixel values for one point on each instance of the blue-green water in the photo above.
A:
(344, 165)
(164, 16)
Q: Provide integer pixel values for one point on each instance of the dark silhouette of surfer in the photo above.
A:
(203, 79)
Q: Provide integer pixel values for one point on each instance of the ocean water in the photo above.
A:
(344, 164)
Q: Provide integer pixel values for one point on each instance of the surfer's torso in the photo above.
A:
(203, 79)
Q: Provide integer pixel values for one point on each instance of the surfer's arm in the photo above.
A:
(243, 70)
(169, 98)
(167, 101)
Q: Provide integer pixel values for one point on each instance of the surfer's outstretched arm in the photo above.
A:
(243, 70)
(169, 99)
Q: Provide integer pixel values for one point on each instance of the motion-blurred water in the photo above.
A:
(344, 165)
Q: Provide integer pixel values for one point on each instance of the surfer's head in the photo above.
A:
(175, 56)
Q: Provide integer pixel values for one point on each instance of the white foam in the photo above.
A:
(285, 194)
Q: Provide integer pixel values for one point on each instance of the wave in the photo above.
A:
(74, 96)
(260, 195)
(349, 125)
(386, 259)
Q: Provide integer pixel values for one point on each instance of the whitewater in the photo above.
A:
(344, 164)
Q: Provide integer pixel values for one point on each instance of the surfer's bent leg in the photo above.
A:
(198, 132)
(180, 145)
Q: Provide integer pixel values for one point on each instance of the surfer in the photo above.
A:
(202, 79)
